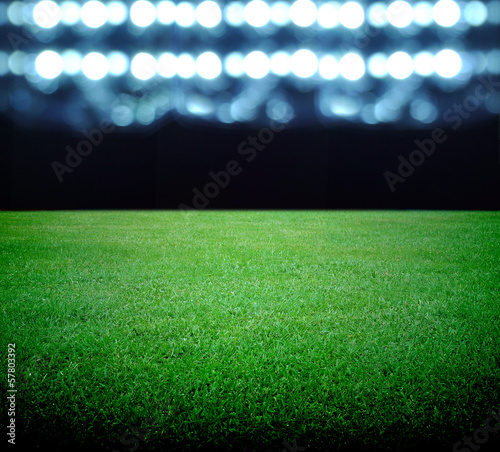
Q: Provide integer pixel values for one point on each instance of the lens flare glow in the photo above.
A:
(95, 66)
(328, 67)
(351, 15)
(47, 14)
(446, 13)
(303, 13)
(257, 13)
(304, 63)
(142, 13)
(49, 64)
(352, 66)
(70, 13)
(400, 14)
(208, 14)
(185, 15)
(94, 14)
(256, 64)
(447, 63)
(400, 65)
(208, 65)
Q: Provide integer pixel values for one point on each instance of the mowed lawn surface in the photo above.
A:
(238, 330)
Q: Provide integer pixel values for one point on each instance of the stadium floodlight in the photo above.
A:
(246, 61)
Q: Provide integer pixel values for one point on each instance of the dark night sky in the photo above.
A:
(336, 168)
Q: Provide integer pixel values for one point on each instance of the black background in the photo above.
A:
(315, 168)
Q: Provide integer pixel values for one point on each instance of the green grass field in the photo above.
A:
(240, 330)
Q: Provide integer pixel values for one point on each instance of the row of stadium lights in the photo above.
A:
(303, 64)
(256, 13)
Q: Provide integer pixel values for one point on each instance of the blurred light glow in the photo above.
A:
(256, 64)
(94, 14)
(257, 13)
(351, 15)
(352, 66)
(4, 63)
(47, 14)
(49, 64)
(208, 65)
(167, 65)
(72, 62)
(400, 65)
(118, 63)
(328, 67)
(144, 66)
(400, 14)
(185, 15)
(377, 14)
(423, 63)
(70, 13)
(493, 61)
(117, 13)
(377, 65)
(475, 13)
(447, 63)
(328, 14)
(142, 13)
(15, 13)
(233, 64)
(422, 13)
(186, 66)
(17, 62)
(280, 63)
(494, 12)
(280, 13)
(208, 14)
(423, 111)
(95, 66)
(166, 12)
(303, 13)
(446, 13)
(234, 14)
(304, 63)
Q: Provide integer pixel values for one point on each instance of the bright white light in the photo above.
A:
(117, 13)
(143, 13)
(304, 63)
(257, 13)
(72, 62)
(351, 15)
(94, 14)
(280, 63)
(476, 13)
(377, 65)
(400, 14)
(95, 66)
(166, 12)
(423, 63)
(118, 63)
(208, 14)
(186, 66)
(234, 14)
(233, 64)
(303, 13)
(185, 15)
(144, 66)
(256, 64)
(447, 63)
(352, 66)
(328, 15)
(49, 64)
(446, 13)
(208, 65)
(400, 65)
(280, 13)
(377, 14)
(47, 14)
(328, 67)
(70, 13)
(167, 65)
(422, 13)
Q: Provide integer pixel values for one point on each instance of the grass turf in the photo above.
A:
(238, 330)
